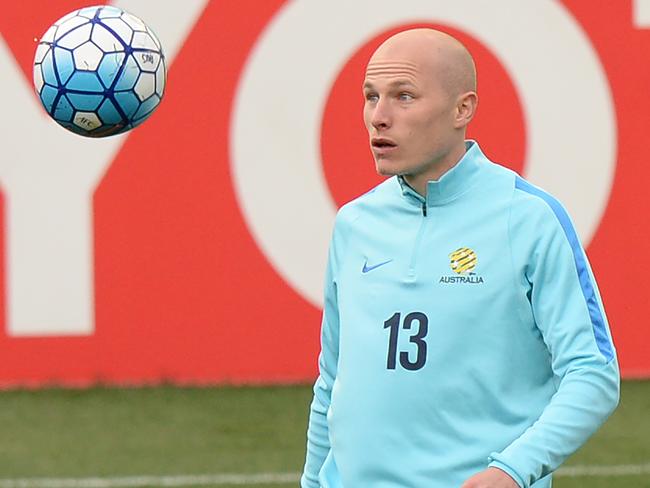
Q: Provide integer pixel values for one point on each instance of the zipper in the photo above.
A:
(416, 246)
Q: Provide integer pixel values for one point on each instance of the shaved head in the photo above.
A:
(420, 95)
(437, 54)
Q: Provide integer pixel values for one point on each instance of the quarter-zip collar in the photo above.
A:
(452, 184)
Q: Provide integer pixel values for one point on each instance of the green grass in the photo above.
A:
(174, 431)
(163, 430)
(624, 439)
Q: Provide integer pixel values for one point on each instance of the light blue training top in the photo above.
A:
(460, 331)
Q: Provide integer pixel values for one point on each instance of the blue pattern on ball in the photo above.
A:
(129, 75)
(48, 95)
(85, 81)
(128, 102)
(64, 110)
(64, 64)
(146, 107)
(110, 12)
(86, 102)
(107, 111)
(49, 75)
(109, 67)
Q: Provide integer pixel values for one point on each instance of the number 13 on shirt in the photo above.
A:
(417, 336)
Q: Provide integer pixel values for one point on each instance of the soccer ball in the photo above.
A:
(99, 71)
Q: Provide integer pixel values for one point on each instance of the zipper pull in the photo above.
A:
(424, 209)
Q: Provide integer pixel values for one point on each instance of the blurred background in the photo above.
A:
(160, 291)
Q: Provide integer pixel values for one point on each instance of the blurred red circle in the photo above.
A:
(347, 162)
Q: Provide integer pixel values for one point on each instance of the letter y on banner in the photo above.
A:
(48, 176)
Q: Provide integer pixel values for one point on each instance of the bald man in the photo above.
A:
(464, 341)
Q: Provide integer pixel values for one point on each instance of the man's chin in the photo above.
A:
(386, 169)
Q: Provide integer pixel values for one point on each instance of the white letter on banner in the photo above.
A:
(641, 13)
(48, 177)
(283, 192)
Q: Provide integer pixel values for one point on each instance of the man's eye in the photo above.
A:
(372, 97)
(405, 97)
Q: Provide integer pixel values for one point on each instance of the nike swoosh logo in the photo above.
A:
(367, 268)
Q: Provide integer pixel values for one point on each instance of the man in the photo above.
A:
(464, 342)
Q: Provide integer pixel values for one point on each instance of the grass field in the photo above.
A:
(168, 431)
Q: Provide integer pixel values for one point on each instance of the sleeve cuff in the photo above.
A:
(493, 463)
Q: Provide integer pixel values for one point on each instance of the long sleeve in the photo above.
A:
(569, 314)
(318, 444)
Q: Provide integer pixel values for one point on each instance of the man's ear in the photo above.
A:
(465, 109)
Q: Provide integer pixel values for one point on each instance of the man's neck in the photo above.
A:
(419, 181)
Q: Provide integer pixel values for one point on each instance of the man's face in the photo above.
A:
(409, 116)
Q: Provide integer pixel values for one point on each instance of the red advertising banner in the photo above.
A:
(192, 249)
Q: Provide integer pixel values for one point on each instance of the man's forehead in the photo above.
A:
(376, 67)
(392, 71)
(394, 67)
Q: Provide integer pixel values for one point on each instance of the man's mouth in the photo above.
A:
(382, 143)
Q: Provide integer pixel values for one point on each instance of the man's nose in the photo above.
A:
(381, 117)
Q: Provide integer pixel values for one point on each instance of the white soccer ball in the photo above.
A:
(99, 71)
